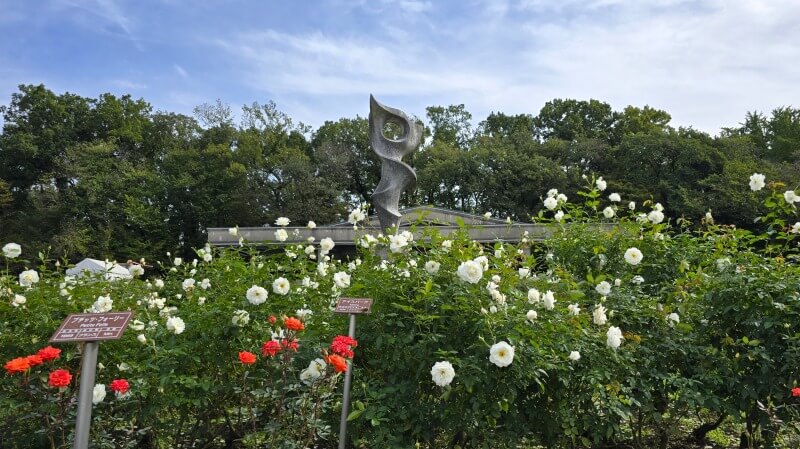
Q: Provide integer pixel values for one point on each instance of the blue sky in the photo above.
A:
(705, 62)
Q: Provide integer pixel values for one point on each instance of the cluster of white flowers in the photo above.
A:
(12, 250)
(175, 325)
(470, 271)
(501, 354)
(256, 295)
(443, 373)
(240, 318)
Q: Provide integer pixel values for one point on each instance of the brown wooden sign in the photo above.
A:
(92, 327)
(353, 305)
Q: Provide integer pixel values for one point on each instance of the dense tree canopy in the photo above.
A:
(109, 177)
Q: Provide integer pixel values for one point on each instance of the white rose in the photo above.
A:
(795, 228)
(549, 300)
(757, 182)
(355, 216)
(281, 286)
(311, 225)
(632, 205)
(159, 283)
(470, 271)
(341, 279)
(175, 325)
(574, 309)
(673, 319)
(608, 212)
(28, 277)
(604, 288)
(614, 337)
(501, 354)
(12, 250)
(98, 393)
(614, 198)
(177, 261)
(18, 300)
(432, 267)
(447, 244)
(188, 284)
(531, 315)
(561, 198)
(791, 197)
(281, 235)
(240, 318)
(655, 216)
(523, 272)
(601, 184)
(326, 244)
(282, 221)
(533, 296)
(102, 304)
(142, 339)
(633, 256)
(550, 203)
(442, 373)
(637, 280)
(599, 315)
(559, 216)
(574, 356)
(256, 295)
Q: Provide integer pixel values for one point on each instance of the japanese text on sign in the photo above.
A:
(92, 327)
(353, 305)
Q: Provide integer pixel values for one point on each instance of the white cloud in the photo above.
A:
(181, 71)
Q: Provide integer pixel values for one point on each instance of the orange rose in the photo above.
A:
(248, 358)
(18, 365)
(49, 353)
(35, 360)
(59, 378)
(338, 362)
(293, 324)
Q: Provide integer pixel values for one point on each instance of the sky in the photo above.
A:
(706, 62)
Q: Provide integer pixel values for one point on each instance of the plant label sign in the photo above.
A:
(92, 327)
(353, 305)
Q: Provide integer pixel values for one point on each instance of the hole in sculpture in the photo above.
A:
(393, 129)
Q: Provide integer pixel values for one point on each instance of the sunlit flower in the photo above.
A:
(470, 271)
(791, 197)
(311, 225)
(608, 212)
(326, 244)
(550, 203)
(28, 277)
(614, 198)
(281, 235)
(177, 261)
(256, 295)
(18, 300)
(188, 284)
(795, 228)
(632, 205)
(136, 270)
(559, 216)
(102, 304)
(601, 184)
(432, 267)
(501, 354)
(599, 315)
(240, 318)
(442, 373)
(355, 216)
(120, 387)
(282, 221)
(281, 286)
(549, 300)
(633, 256)
(614, 337)
(98, 393)
(574, 356)
(12, 250)
(604, 288)
(487, 215)
(341, 279)
(655, 216)
(397, 243)
(533, 296)
(159, 283)
(523, 272)
(59, 378)
(574, 309)
(531, 315)
(447, 244)
(175, 325)
(757, 182)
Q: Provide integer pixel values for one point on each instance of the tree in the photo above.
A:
(451, 124)
(572, 119)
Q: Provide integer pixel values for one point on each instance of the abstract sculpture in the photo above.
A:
(396, 175)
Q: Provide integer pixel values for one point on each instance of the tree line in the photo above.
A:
(111, 177)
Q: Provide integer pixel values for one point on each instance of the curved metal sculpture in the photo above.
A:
(396, 175)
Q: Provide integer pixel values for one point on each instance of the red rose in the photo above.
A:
(59, 378)
(290, 344)
(18, 365)
(293, 324)
(338, 363)
(796, 391)
(49, 353)
(35, 360)
(120, 386)
(342, 345)
(272, 319)
(248, 358)
(270, 348)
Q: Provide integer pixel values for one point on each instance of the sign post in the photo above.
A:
(89, 328)
(351, 306)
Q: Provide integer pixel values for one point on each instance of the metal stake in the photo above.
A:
(346, 397)
(84, 418)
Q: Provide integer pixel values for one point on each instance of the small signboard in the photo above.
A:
(92, 327)
(353, 305)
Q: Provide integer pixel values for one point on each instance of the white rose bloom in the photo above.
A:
(632, 205)
(533, 296)
(355, 216)
(549, 300)
(470, 271)
(574, 356)
(501, 354)
(614, 198)
(326, 244)
(28, 277)
(159, 283)
(142, 339)
(655, 216)
(550, 203)
(281, 235)
(487, 215)
(523, 272)
(188, 284)
(256, 295)
(601, 184)
(617, 282)
(604, 288)
(233, 231)
(492, 309)
(322, 269)
(484, 261)
(136, 270)
(12, 250)
(531, 315)
(658, 207)
(574, 309)
(205, 284)
(137, 325)
(102, 304)
(98, 393)
(561, 198)
(673, 319)
(559, 216)
(795, 228)
(311, 225)
(599, 315)
(341, 279)
(608, 212)
(18, 300)
(757, 182)
(633, 256)
(281, 286)
(207, 257)
(432, 267)
(240, 318)
(552, 192)
(442, 373)
(447, 244)
(791, 197)
(614, 337)
(637, 280)
(308, 376)
(201, 300)
(177, 261)
(302, 314)
(282, 221)
(175, 325)
(397, 243)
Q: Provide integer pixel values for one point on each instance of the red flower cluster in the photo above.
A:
(290, 344)
(293, 324)
(22, 364)
(59, 378)
(796, 392)
(248, 358)
(270, 348)
(120, 386)
(342, 345)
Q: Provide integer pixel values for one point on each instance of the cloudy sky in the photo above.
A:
(707, 62)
